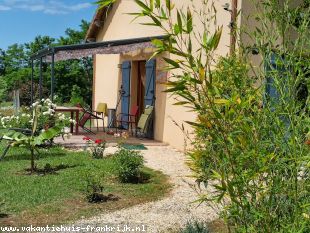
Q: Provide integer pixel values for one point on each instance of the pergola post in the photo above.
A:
(32, 73)
(53, 76)
(41, 79)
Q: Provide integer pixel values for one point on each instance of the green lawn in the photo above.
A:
(59, 198)
(6, 104)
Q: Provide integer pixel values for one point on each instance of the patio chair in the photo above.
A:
(128, 119)
(101, 112)
(87, 115)
(144, 123)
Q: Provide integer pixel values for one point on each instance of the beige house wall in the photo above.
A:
(106, 78)
(119, 25)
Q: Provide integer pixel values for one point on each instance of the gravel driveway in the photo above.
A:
(171, 212)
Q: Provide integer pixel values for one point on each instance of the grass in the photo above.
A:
(6, 104)
(60, 197)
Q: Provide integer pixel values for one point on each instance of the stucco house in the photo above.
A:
(142, 79)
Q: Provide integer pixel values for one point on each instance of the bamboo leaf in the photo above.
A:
(179, 19)
(215, 39)
(172, 62)
(221, 101)
(189, 21)
(143, 6)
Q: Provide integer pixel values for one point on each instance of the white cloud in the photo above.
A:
(4, 8)
(45, 6)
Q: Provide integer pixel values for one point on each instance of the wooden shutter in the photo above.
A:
(126, 71)
(149, 98)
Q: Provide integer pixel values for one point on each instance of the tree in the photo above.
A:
(74, 36)
(16, 71)
(15, 58)
(2, 66)
(39, 42)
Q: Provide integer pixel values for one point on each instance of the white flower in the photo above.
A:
(67, 135)
(43, 130)
(35, 104)
(62, 117)
(66, 130)
(72, 121)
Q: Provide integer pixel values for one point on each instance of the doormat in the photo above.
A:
(133, 146)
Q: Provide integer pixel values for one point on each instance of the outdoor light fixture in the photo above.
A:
(231, 24)
(98, 23)
(89, 40)
(226, 7)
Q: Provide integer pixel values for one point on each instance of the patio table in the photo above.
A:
(72, 110)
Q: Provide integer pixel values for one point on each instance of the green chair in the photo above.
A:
(144, 123)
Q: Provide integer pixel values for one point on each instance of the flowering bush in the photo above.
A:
(47, 118)
(97, 147)
(53, 126)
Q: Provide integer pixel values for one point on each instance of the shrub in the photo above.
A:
(25, 93)
(94, 188)
(128, 165)
(250, 132)
(195, 227)
(96, 147)
(43, 114)
(76, 95)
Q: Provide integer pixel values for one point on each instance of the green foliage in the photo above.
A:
(55, 194)
(94, 187)
(39, 42)
(1, 207)
(249, 142)
(44, 126)
(3, 89)
(105, 3)
(15, 67)
(128, 165)
(76, 95)
(96, 147)
(195, 227)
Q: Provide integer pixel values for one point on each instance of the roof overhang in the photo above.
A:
(96, 24)
(77, 51)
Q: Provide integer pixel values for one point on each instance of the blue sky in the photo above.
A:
(22, 20)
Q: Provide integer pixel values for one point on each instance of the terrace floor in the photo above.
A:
(76, 141)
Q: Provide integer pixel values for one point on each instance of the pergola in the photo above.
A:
(77, 51)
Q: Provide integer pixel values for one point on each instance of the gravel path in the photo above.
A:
(171, 212)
